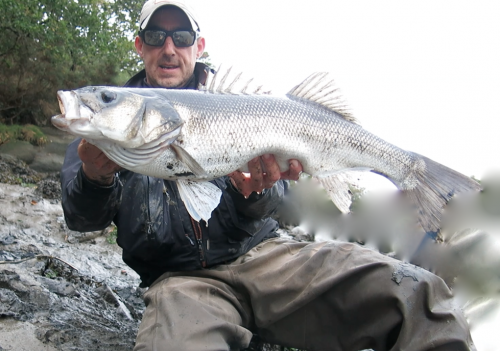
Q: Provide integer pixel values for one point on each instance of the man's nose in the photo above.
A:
(168, 46)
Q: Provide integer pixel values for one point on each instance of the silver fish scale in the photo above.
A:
(223, 132)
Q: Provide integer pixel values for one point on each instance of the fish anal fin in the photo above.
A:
(200, 198)
(337, 186)
(189, 161)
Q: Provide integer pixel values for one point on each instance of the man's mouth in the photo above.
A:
(168, 67)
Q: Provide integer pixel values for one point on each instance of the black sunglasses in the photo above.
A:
(182, 38)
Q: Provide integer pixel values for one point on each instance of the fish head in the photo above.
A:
(129, 117)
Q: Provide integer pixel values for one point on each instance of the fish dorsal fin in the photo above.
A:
(212, 86)
(320, 88)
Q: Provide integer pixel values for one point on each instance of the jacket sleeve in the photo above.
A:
(87, 206)
(258, 206)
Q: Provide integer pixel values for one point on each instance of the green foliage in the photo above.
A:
(49, 45)
(28, 132)
(49, 273)
(206, 59)
(112, 235)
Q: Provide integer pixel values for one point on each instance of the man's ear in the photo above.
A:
(138, 45)
(200, 47)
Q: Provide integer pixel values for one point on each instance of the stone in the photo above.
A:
(23, 150)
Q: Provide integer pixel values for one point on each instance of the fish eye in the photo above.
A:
(108, 96)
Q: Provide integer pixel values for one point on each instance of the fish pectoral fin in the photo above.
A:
(189, 161)
(337, 186)
(200, 198)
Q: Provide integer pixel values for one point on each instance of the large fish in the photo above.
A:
(196, 136)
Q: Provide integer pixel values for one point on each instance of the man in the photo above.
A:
(211, 287)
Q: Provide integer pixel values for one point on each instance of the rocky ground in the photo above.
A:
(59, 289)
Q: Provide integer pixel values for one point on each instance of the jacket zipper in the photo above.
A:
(149, 225)
(199, 239)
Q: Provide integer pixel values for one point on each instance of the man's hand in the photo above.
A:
(96, 165)
(258, 179)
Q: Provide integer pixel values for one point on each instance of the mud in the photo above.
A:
(59, 292)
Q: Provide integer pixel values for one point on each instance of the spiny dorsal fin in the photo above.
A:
(220, 88)
(321, 89)
(212, 86)
(230, 87)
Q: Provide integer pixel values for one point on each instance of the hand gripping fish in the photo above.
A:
(196, 136)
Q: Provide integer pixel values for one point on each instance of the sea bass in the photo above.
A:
(196, 136)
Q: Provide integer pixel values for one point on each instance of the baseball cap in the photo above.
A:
(152, 5)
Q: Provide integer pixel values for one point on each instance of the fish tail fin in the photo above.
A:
(435, 186)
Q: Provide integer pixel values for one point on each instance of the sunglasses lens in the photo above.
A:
(183, 38)
(154, 37)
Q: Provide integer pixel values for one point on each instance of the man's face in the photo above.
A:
(168, 66)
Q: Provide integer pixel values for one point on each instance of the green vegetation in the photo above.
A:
(112, 235)
(206, 59)
(49, 273)
(28, 132)
(49, 45)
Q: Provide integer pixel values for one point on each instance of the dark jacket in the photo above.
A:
(155, 230)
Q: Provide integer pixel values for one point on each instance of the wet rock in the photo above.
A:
(45, 159)
(7, 256)
(11, 305)
(107, 294)
(49, 189)
(15, 171)
(10, 280)
(23, 150)
(20, 336)
(58, 286)
(8, 239)
(47, 162)
(55, 294)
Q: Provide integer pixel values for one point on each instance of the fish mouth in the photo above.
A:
(61, 104)
(71, 117)
(68, 104)
(60, 122)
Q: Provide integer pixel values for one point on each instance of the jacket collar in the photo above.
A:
(200, 74)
